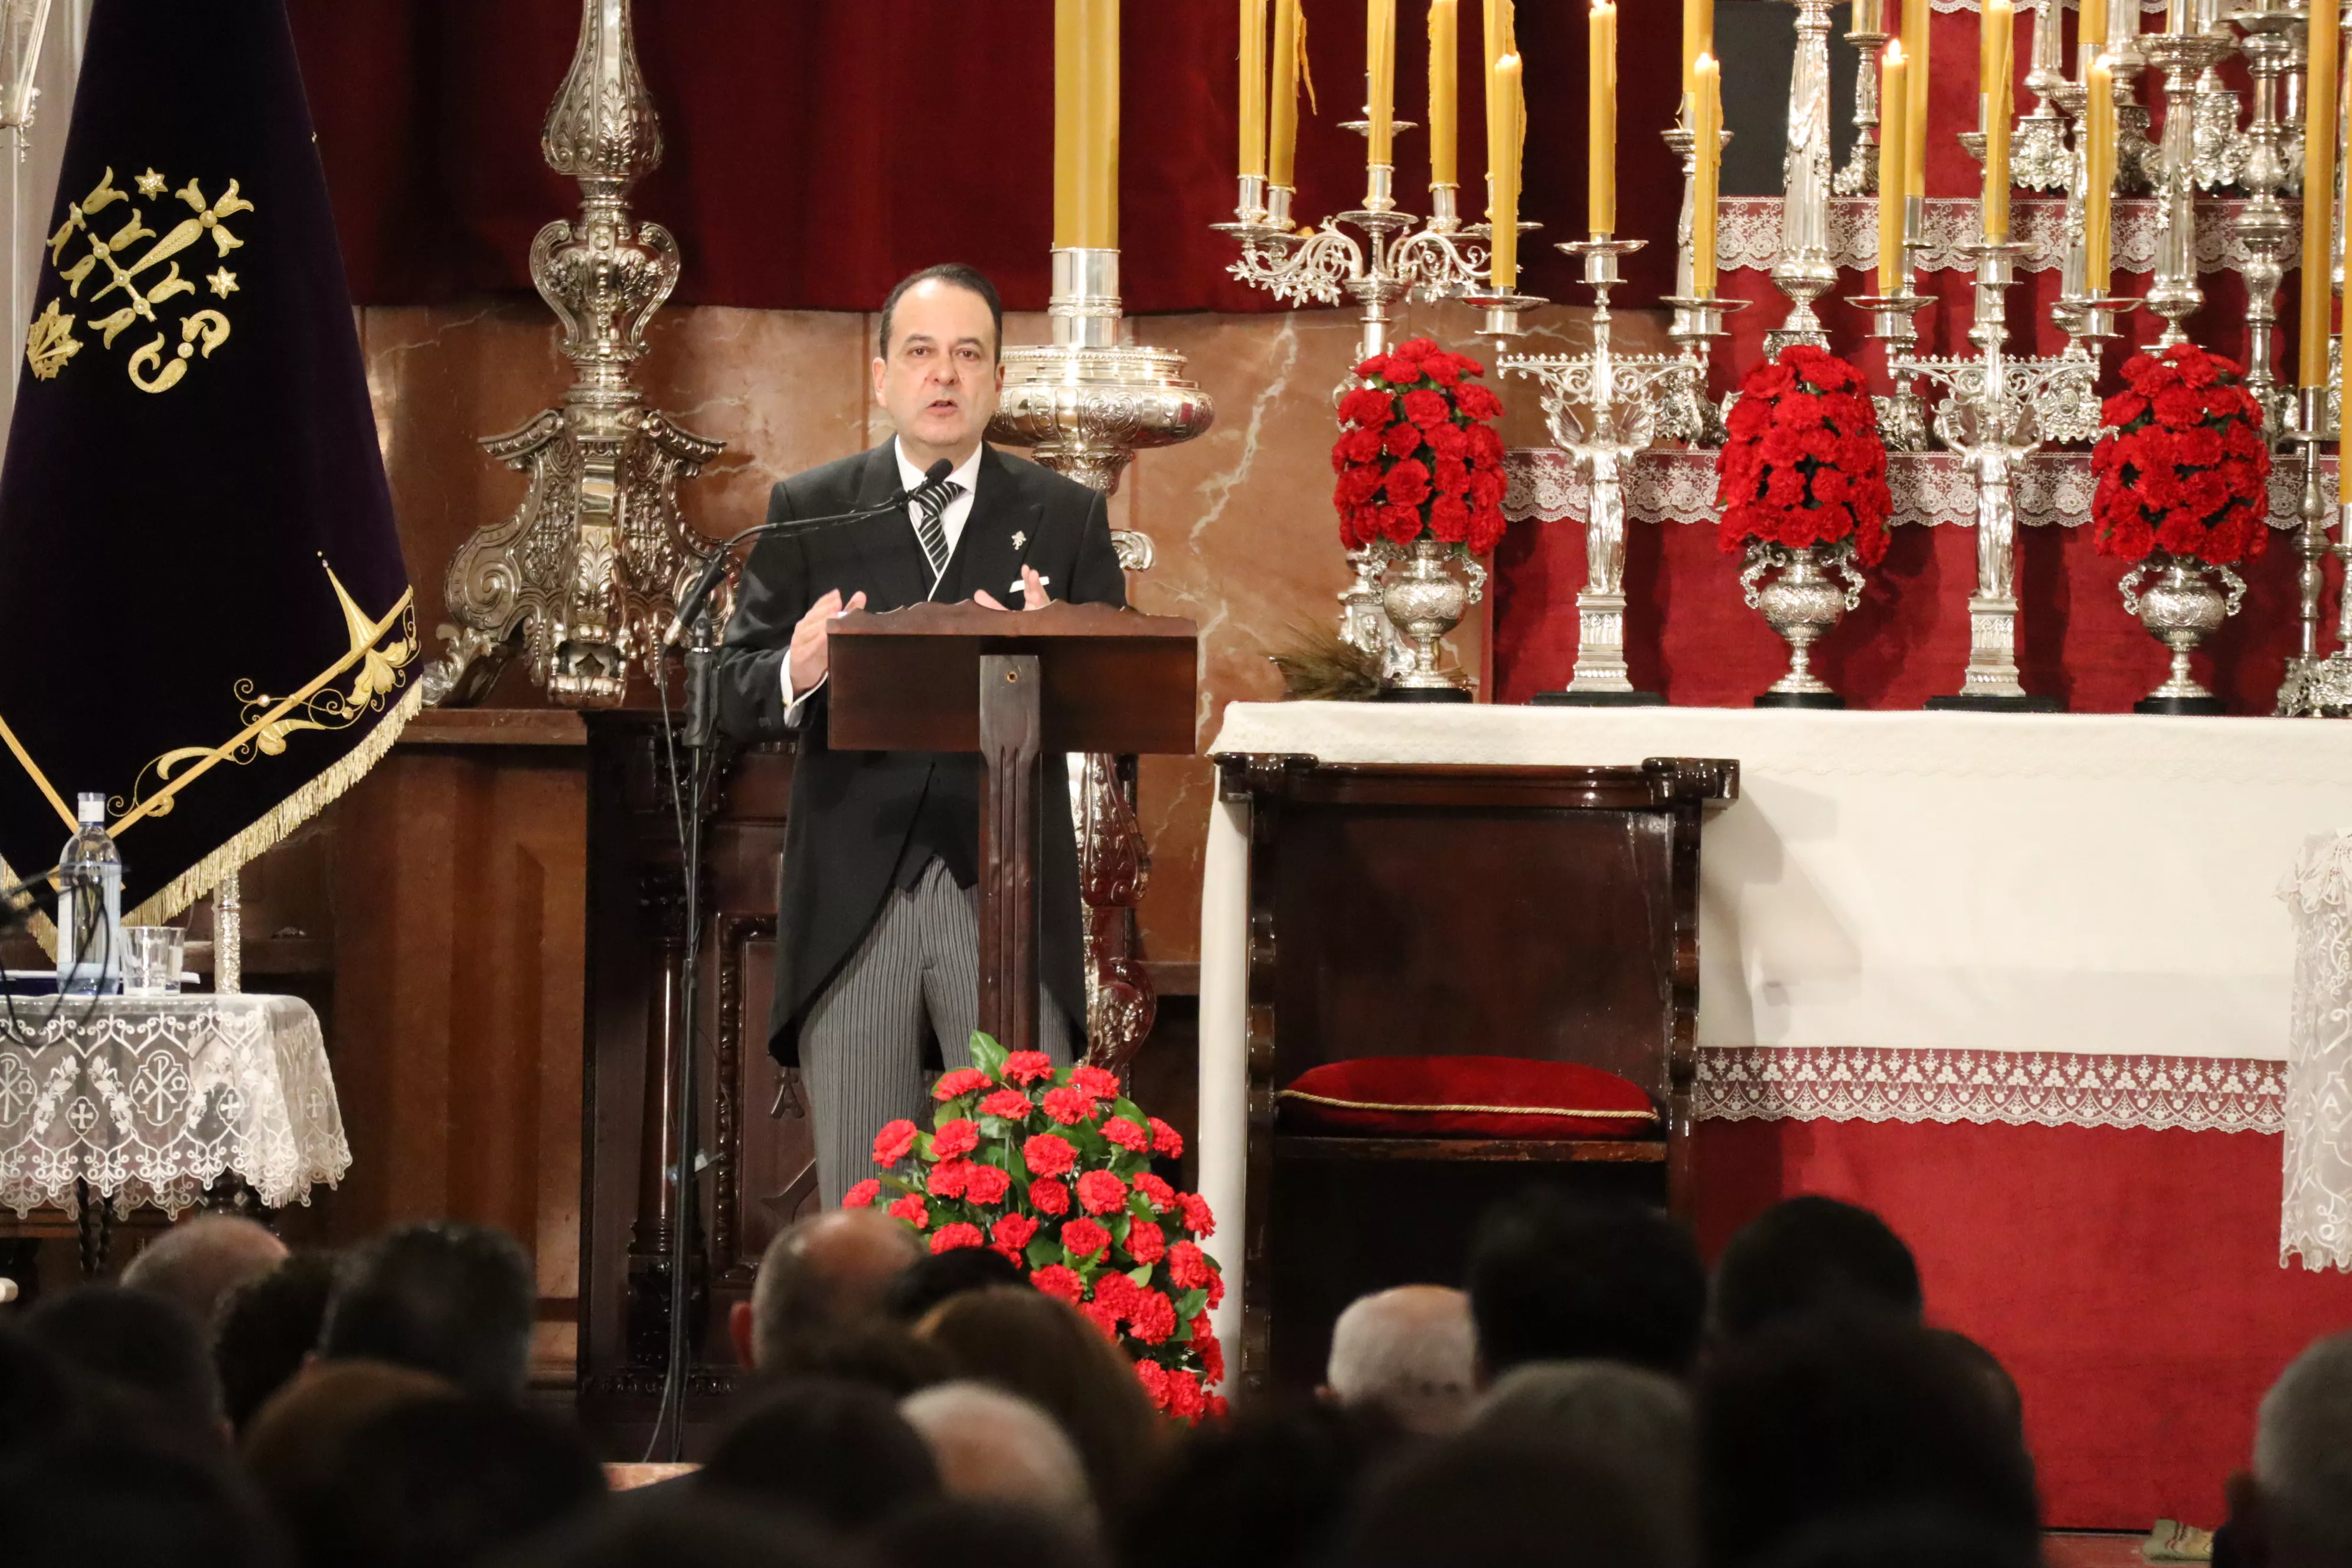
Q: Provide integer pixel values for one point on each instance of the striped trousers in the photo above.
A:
(862, 1042)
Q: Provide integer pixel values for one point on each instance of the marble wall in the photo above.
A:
(1241, 518)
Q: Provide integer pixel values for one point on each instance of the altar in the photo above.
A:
(2020, 982)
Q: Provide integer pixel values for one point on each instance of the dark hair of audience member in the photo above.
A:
(1990, 1376)
(1028, 1344)
(884, 1356)
(1903, 1538)
(448, 1297)
(120, 1499)
(1557, 1278)
(296, 1439)
(834, 1452)
(265, 1327)
(40, 1407)
(681, 1528)
(944, 1531)
(138, 1353)
(1812, 1253)
(939, 1275)
(441, 1483)
(1476, 1500)
(1264, 1491)
(1829, 1416)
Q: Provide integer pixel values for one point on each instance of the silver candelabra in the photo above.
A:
(1993, 418)
(2174, 293)
(2038, 155)
(2267, 225)
(1687, 413)
(1860, 176)
(2317, 687)
(1620, 396)
(1804, 271)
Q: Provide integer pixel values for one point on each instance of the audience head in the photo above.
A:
(834, 1452)
(1812, 1253)
(881, 1356)
(1265, 1489)
(441, 1483)
(682, 1528)
(820, 1275)
(1636, 1420)
(291, 1445)
(1828, 1415)
(117, 1501)
(1408, 1352)
(201, 1259)
(143, 1356)
(937, 1276)
(39, 1405)
(448, 1297)
(2302, 1505)
(1028, 1344)
(944, 1531)
(265, 1327)
(993, 1447)
(1554, 1279)
(1483, 1500)
(1990, 1376)
(1904, 1538)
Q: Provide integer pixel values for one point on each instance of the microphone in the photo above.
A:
(935, 480)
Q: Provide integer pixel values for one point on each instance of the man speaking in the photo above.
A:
(878, 951)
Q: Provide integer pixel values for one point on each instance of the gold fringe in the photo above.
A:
(280, 820)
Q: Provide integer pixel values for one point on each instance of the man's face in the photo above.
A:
(939, 374)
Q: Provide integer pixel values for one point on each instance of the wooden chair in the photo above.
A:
(1404, 910)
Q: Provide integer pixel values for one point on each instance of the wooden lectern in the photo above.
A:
(1013, 685)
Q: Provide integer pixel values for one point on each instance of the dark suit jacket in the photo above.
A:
(852, 812)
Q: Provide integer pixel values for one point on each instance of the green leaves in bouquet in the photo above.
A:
(987, 1054)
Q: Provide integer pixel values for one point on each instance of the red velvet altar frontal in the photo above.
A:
(2128, 1279)
(1690, 635)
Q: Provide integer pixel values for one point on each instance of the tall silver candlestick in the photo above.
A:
(2219, 149)
(1804, 271)
(1860, 176)
(1619, 395)
(1688, 413)
(2038, 155)
(2173, 293)
(2317, 687)
(1992, 419)
(2135, 155)
(2267, 229)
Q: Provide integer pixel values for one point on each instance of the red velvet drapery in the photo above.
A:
(819, 150)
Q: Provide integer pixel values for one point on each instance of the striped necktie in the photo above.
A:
(931, 530)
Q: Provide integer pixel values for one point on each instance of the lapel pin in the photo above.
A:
(1019, 540)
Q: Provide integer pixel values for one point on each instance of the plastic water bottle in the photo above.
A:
(89, 906)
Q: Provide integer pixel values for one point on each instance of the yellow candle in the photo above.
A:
(1098, 142)
(1994, 69)
(2318, 174)
(1706, 121)
(2099, 167)
(1503, 171)
(1069, 52)
(1444, 47)
(1892, 85)
(1698, 39)
(1600, 140)
(1379, 75)
(1282, 113)
(1253, 87)
(1915, 120)
(2091, 29)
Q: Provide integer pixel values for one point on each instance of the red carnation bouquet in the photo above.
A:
(2182, 468)
(1804, 464)
(1415, 451)
(1053, 1169)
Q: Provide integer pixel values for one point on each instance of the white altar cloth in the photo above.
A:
(1917, 889)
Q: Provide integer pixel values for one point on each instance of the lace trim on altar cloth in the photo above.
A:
(1867, 1083)
(2316, 1218)
(2051, 490)
(1747, 233)
(151, 1099)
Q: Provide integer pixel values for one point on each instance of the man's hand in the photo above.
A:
(1033, 595)
(811, 656)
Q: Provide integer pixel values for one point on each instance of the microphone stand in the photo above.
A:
(699, 734)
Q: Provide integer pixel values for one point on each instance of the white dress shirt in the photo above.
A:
(951, 521)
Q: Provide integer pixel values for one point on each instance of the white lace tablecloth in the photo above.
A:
(1747, 233)
(148, 1099)
(2316, 1219)
(1674, 485)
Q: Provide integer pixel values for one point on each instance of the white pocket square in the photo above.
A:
(1019, 586)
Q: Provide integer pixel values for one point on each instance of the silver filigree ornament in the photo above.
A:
(583, 575)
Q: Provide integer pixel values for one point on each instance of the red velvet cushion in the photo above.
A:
(1465, 1096)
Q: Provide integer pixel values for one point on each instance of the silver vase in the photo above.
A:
(2180, 605)
(1424, 598)
(1802, 601)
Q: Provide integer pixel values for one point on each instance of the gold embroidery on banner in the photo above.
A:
(269, 721)
(150, 368)
(50, 342)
